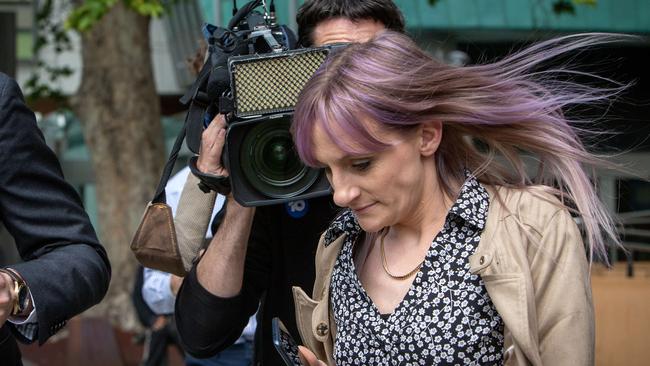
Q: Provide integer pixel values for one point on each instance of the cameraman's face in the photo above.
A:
(337, 30)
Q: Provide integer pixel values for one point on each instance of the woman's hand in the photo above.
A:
(309, 358)
(212, 141)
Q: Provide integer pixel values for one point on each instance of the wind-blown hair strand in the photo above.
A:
(508, 106)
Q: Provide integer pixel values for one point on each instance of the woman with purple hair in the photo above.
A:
(449, 251)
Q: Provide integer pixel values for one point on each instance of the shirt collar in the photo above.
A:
(472, 203)
(471, 206)
(344, 223)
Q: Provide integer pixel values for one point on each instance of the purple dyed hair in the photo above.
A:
(506, 105)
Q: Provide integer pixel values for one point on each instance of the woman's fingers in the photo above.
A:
(308, 357)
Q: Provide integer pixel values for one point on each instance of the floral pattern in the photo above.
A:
(446, 317)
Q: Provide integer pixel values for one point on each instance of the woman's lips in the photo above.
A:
(363, 209)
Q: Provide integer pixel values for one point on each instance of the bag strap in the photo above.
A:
(159, 196)
(195, 113)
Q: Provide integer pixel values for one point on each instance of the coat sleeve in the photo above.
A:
(563, 295)
(65, 267)
(192, 219)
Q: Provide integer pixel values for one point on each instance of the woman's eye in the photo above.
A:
(361, 165)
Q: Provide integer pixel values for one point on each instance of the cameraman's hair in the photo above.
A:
(313, 12)
(510, 106)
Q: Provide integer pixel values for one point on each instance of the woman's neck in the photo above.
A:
(428, 216)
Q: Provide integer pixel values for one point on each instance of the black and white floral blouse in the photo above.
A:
(446, 317)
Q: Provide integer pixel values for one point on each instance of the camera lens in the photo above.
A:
(270, 163)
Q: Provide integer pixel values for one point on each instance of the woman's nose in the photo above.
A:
(344, 191)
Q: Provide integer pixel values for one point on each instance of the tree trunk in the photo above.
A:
(119, 110)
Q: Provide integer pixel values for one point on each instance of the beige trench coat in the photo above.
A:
(533, 263)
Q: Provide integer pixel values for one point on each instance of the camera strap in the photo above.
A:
(198, 100)
(200, 81)
(194, 115)
(154, 243)
(159, 196)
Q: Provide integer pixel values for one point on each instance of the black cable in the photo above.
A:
(234, 7)
(243, 12)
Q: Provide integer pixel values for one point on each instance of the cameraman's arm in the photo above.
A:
(195, 207)
(211, 309)
(221, 269)
(214, 303)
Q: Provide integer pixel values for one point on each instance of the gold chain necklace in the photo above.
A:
(385, 264)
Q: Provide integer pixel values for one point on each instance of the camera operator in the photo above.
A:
(259, 254)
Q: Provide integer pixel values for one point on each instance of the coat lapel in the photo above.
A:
(509, 291)
(316, 323)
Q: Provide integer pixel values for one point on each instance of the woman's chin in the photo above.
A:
(370, 226)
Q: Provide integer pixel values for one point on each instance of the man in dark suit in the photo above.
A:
(65, 269)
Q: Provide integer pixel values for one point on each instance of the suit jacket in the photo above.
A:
(533, 263)
(64, 266)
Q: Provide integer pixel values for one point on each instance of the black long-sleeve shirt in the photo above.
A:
(280, 255)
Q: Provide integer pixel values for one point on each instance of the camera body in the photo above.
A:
(254, 77)
(264, 168)
(259, 152)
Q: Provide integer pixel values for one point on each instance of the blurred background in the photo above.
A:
(104, 78)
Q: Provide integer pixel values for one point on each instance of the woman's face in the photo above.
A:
(384, 188)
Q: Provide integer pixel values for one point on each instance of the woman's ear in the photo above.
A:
(430, 137)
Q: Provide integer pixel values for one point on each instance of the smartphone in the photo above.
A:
(285, 344)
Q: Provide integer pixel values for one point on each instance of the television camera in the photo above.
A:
(253, 75)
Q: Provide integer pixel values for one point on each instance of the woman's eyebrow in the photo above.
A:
(343, 158)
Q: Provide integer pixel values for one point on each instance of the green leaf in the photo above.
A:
(564, 7)
(83, 17)
(586, 2)
(66, 71)
(44, 11)
(152, 8)
(39, 43)
(569, 7)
